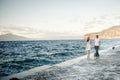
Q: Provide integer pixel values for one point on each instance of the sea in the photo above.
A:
(20, 56)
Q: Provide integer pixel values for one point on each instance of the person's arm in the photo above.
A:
(94, 42)
(91, 43)
(99, 43)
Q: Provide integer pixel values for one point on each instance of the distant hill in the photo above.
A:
(11, 37)
(111, 33)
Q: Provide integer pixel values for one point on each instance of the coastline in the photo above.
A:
(32, 73)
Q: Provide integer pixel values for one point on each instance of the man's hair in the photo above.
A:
(97, 36)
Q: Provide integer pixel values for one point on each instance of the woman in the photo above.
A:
(88, 47)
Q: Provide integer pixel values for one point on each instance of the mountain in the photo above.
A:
(11, 37)
(111, 33)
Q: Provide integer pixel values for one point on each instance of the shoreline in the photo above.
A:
(61, 65)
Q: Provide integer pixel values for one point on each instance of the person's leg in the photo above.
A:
(88, 54)
(97, 53)
(96, 49)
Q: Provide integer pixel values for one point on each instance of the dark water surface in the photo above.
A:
(18, 56)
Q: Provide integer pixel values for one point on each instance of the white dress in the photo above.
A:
(88, 45)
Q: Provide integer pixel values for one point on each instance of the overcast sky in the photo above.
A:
(57, 19)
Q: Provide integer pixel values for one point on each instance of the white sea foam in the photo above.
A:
(67, 63)
(26, 73)
(108, 51)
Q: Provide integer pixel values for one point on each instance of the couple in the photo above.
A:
(96, 45)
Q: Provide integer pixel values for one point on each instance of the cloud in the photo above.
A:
(102, 22)
(23, 31)
(61, 28)
(34, 33)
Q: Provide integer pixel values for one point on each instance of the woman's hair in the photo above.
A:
(97, 36)
(88, 39)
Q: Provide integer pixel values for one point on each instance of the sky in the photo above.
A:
(57, 19)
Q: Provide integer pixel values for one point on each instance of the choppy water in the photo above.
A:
(18, 56)
(105, 68)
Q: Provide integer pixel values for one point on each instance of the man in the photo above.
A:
(97, 45)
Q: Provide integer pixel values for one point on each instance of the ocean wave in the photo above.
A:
(93, 69)
(62, 54)
(30, 54)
